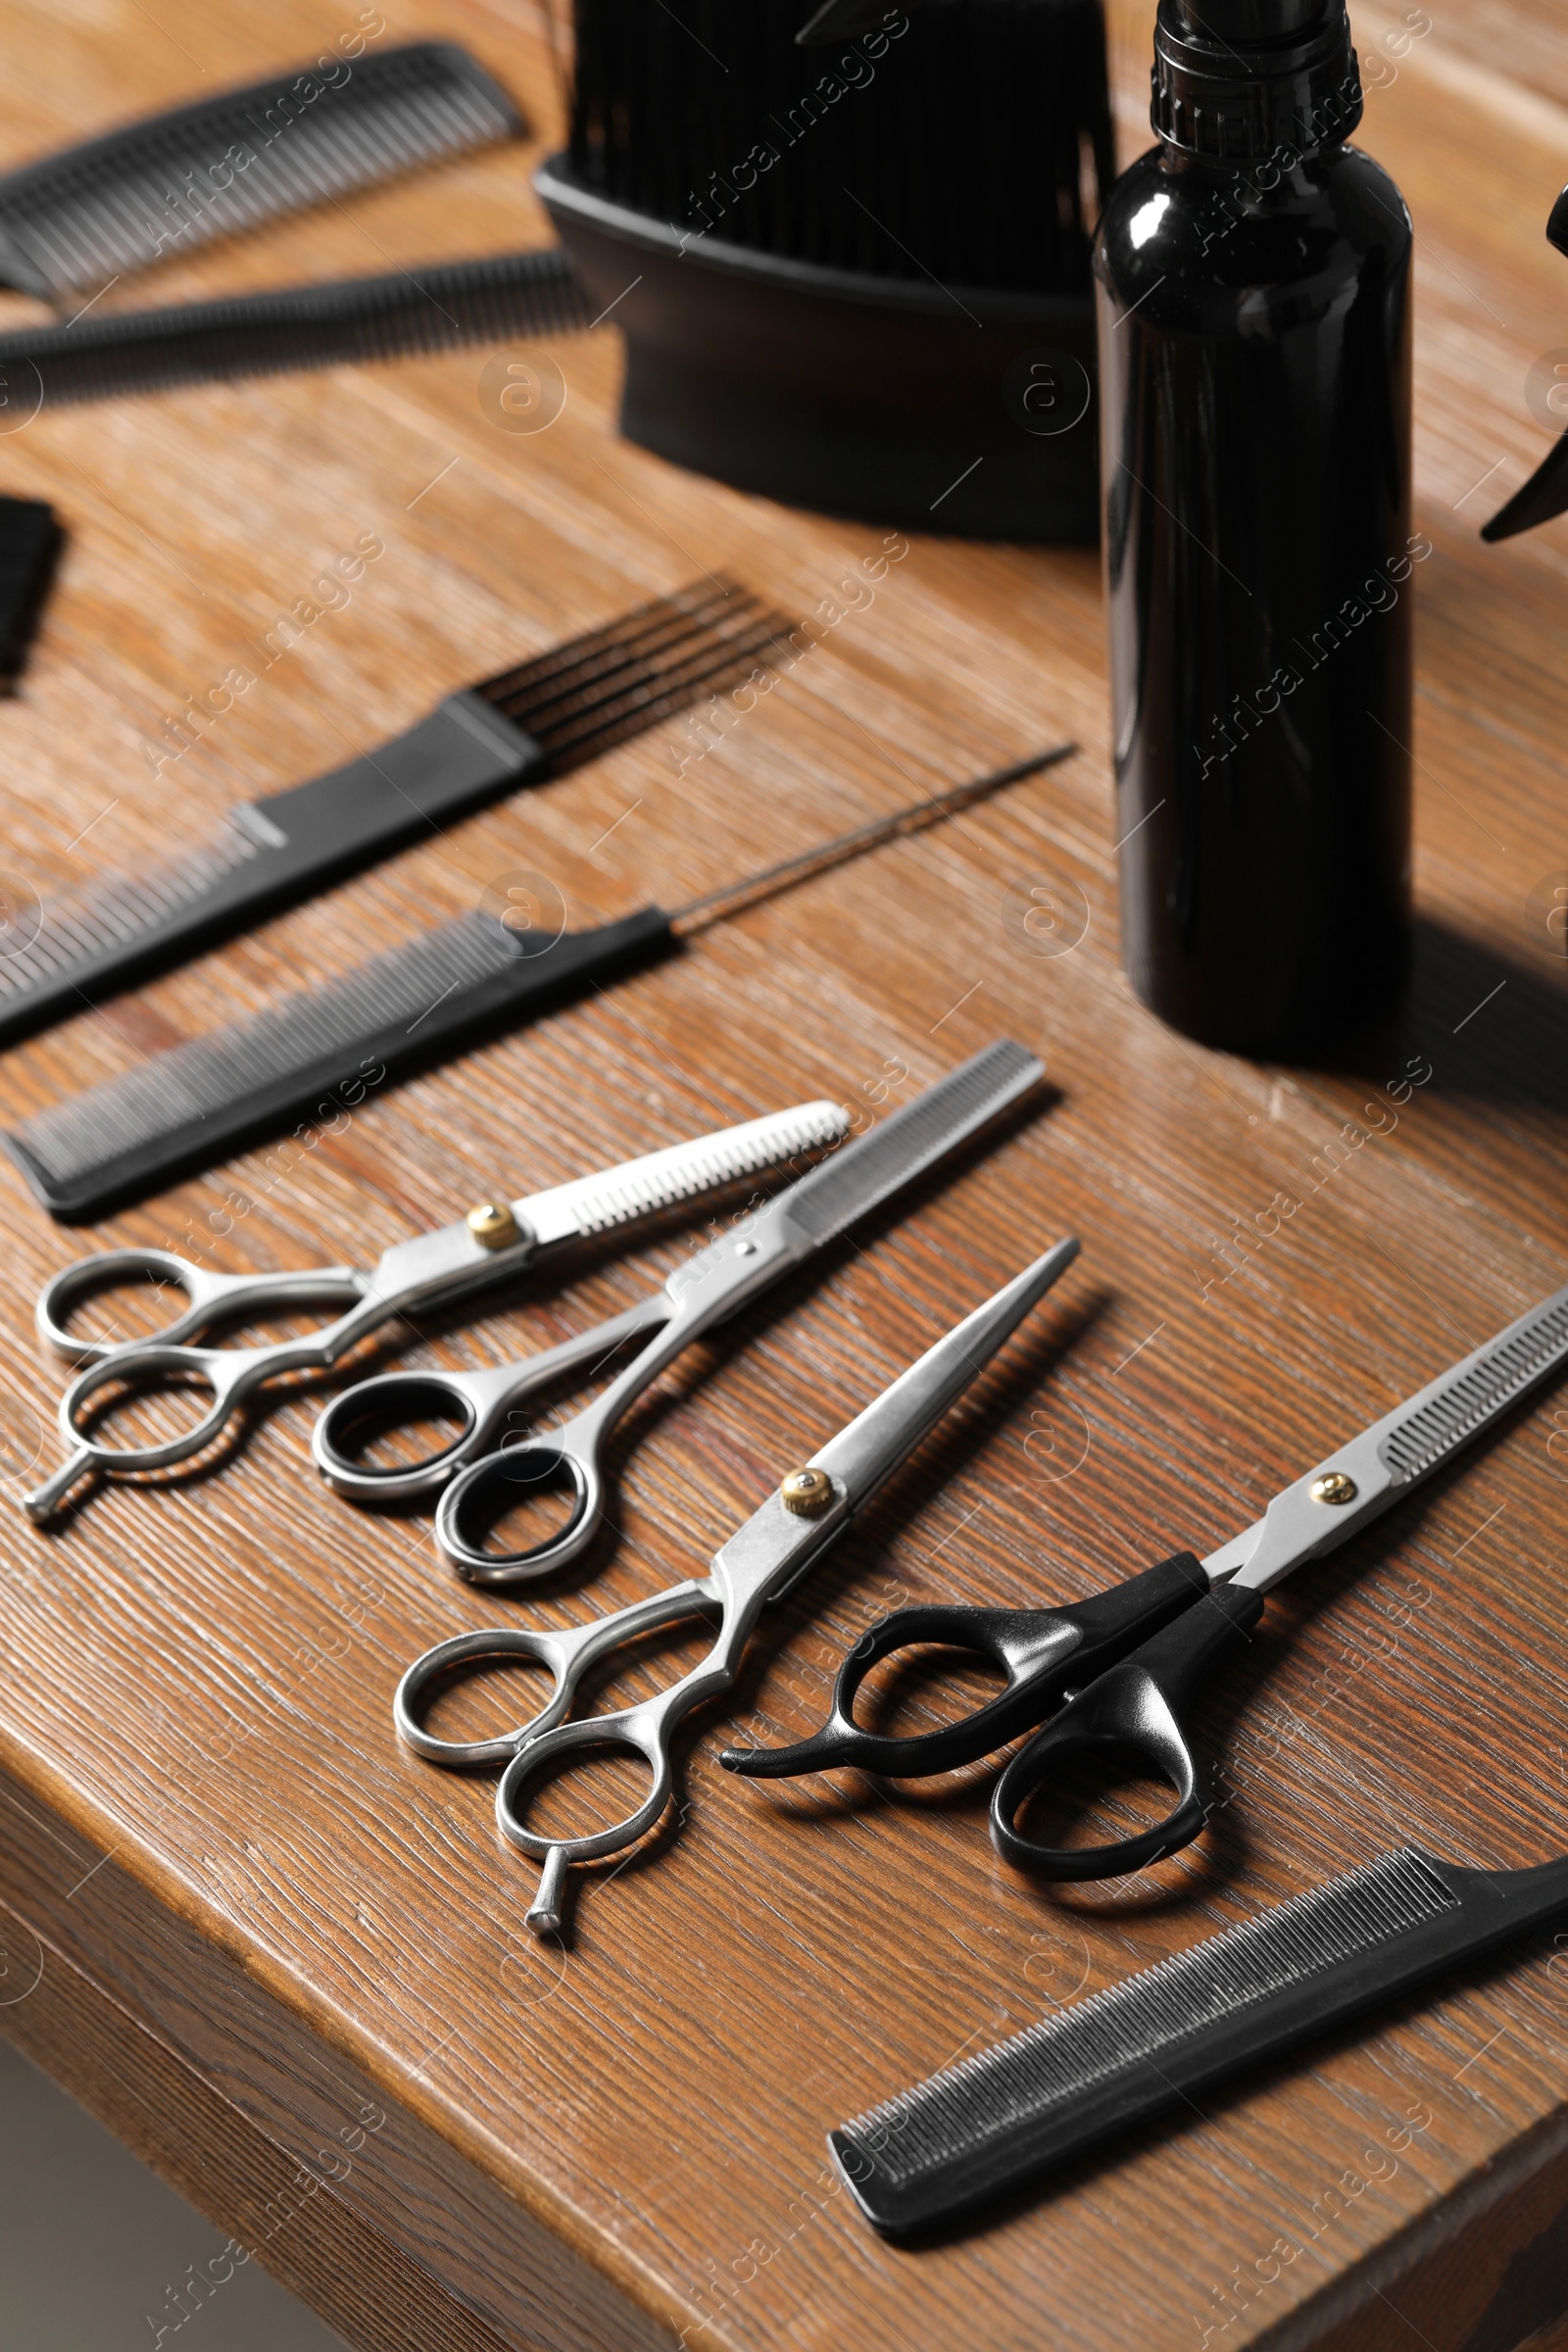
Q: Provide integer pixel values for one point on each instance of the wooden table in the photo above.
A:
(286, 1961)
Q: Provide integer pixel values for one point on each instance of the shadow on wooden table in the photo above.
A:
(1494, 1028)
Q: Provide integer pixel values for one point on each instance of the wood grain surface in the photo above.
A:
(287, 1960)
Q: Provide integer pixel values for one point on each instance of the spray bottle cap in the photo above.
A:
(1248, 81)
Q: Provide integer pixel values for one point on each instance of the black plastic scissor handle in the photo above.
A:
(1132, 1711)
(1040, 1652)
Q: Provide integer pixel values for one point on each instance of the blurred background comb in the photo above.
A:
(418, 308)
(73, 221)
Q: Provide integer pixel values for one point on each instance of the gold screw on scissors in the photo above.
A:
(493, 1225)
(807, 1494)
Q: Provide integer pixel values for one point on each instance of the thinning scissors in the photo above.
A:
(491, 1243)
(479, 1487)
(1129, 1661)
(804, 1514)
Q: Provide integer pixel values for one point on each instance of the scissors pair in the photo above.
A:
(490, 1244)
(1123, 1667)
(482, 1489)
(804, 1514)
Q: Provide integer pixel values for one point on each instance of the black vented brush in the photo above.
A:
(984, 2128)
(519, 728)
(79, 219)
(854, 276)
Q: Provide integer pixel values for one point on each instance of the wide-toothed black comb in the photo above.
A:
(980, 2129)
(519, 728)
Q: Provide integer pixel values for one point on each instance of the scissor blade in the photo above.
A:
(904, 1146)
(1403, 1448)
(865, 1453)
(774, 1547)
(639, 1187)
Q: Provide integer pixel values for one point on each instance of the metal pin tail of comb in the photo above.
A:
(316, 1057)
(518, 729)
(982, 2129)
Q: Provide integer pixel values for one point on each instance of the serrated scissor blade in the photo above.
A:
(1400, 1450)
(876, 1165)
(639, 1187)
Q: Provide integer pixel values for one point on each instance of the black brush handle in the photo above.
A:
(320, 1091)
(904, 2194)
(307, 837)
(1132, 1712)
(1040, 1652)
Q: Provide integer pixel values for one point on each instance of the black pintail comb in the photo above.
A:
(985, 2127)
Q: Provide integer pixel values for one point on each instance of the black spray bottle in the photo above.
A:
(1253, 277)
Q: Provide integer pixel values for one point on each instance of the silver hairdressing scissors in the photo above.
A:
(479, 1487)
(803, 1515)
(489, 1245)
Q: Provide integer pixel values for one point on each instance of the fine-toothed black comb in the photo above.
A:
(341, 321)
(987, 2125)
(519, 728)
(74, 220)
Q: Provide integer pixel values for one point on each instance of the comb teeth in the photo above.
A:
(705, 1166)
(1505, 1371)
(82, 926)
(191, 1082)
(1065, 2058)
(618, 680)
(74, 220)
(347, 320)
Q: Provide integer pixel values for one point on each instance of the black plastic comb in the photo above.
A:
(314, 1056)
(345, 320)
(516, 729)
(981, 2130)
(74, 220)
